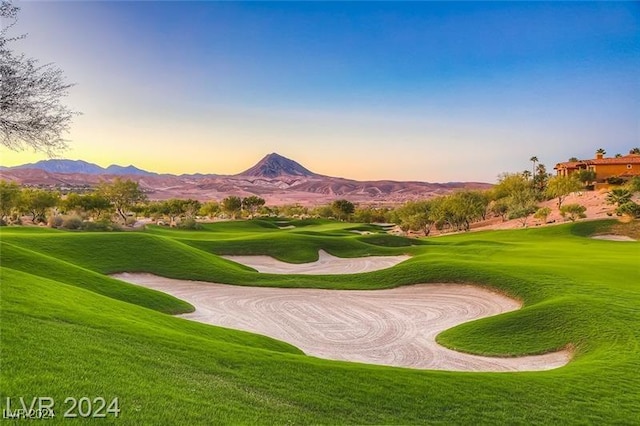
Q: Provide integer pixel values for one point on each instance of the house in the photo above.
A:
(623, 167)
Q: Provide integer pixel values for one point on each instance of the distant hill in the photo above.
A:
(275, 165)
(79, 166)
(275, 178)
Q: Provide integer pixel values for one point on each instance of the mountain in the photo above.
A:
(79, 166)
(275, 178)
(274, 166)
(63, 166)
(114, 169)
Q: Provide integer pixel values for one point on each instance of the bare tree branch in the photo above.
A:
(31, 112)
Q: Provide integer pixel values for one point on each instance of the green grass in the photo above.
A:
(69, 330)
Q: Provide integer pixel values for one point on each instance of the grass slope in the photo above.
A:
(69, 331)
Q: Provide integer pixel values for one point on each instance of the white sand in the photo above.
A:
(326, 264)
(390, 327)
(613, 237)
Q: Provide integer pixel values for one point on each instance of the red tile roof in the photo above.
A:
(625, 159)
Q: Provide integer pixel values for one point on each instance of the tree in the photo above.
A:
(210, 209)
(123, 195)
(509, 184)
(521, 205)
(618, 155)
(9, 198)
(252, 203)
(634, 151)
(585, 176)
(343, 209)
(415, 216)
(534, 160)
(93, 204)
(573, 159)
(573, 211)
(526, 174)
(232, 205)
(561, 186)
(31, 112)
(601, 151)
(36, 202)
(541, 178)
(618, 196)
(500, 208)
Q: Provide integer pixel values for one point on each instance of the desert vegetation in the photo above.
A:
(112, 205)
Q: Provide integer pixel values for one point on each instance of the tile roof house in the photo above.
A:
(624, 167)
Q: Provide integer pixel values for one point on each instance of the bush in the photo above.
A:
(102, 225)
(573, 211)
(542, 213)
(55, 221)
(72, 222)
(615, 180)
(630, 209)
(189, 223)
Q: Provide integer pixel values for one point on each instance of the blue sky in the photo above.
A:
(421, 91)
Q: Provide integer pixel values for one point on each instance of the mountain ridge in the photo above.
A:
(275, 178)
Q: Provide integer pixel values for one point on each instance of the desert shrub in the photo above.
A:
(72, 222)
(55, 221)
(573, 211)
(542, 213)
(615, 180)
(101, 225)
(630, 209)
(189, 223)
(634, 184)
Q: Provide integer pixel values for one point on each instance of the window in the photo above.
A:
(629, 166)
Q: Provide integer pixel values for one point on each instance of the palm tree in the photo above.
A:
(534, 160)
(618, 155)
(601, 151)
(573, 159)
(526, 174)
(634, 151)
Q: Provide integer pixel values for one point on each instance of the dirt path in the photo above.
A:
(326, 264)
(390, 327)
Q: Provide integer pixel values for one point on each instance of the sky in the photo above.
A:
(425, 91)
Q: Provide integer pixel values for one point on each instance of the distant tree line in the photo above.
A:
(120, 202)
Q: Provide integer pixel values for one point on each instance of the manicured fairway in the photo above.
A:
(69, 330)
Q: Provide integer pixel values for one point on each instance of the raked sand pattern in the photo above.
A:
(326, 264)
(394, 327)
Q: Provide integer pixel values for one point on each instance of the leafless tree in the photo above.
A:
(31, 112)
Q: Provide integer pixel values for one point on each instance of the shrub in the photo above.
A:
(615, 180)
(55, 221)
(189, 223)
(72, 222)
(102, 225)
(542, 213)
(630, 209)
(573, 211)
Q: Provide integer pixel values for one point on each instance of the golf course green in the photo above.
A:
(70, 330)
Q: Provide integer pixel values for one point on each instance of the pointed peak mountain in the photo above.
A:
(275, 165)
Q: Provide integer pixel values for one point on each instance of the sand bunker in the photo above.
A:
(613, 237)
(389, 327)
(326, 264)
